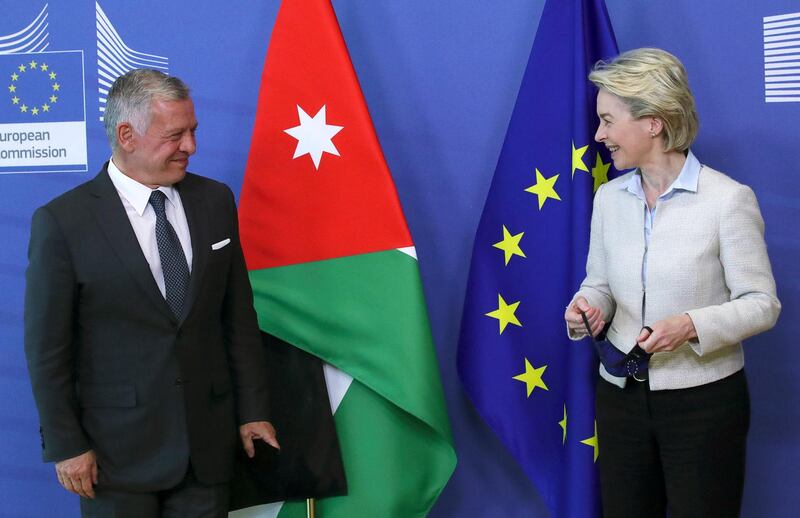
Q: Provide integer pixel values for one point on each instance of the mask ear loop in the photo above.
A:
(586, 324)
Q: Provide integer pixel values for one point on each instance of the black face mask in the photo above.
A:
(634, 364)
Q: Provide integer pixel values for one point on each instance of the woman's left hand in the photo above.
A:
(667, 334)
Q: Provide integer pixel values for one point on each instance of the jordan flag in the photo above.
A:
(334, 269)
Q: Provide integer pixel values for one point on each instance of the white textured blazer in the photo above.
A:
(707, 258)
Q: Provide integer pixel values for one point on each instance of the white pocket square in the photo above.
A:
(217, 246)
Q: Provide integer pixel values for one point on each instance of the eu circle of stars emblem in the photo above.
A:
(34, 88)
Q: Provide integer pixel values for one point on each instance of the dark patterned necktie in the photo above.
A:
(173, 260)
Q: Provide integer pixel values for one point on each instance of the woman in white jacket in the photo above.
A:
(677, 265)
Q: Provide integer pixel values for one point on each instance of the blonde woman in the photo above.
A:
(678, 266)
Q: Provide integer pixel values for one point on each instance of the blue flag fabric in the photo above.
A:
(533, 386)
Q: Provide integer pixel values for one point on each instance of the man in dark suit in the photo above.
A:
(142, 343)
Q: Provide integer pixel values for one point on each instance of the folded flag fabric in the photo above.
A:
(334, 269)
(530, 384)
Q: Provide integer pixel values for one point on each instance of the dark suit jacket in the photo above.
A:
(112, 369)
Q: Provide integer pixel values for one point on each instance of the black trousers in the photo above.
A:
(189, 499)
(676, 451)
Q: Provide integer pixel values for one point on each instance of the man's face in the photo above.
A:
(160, 156)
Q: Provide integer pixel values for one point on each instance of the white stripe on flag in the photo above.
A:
(338, 382)
(259, 511)
(409, 250)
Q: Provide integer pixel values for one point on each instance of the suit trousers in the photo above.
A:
(680, 451)
(189, 499)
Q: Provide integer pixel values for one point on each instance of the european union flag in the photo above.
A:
(533, 386)
(41, 87)
(42, 112)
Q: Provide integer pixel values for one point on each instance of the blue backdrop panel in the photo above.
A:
(440, 79)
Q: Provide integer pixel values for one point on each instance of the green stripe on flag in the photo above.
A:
(394, 467)
(366, 315)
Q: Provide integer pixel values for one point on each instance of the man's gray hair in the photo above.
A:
(130, 96)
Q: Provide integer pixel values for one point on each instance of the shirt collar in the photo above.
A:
(686, 181)
(137, 194)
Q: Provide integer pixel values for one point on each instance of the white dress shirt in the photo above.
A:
(136, 200)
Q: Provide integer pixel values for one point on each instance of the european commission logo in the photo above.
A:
(782, 58)
(42, 105)
(114, 57)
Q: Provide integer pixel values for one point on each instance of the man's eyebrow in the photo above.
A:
(178, 131)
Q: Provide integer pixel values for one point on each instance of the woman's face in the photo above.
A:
(629, 140)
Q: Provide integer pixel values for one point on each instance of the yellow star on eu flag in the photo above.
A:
(544, 188)
(14, 76)
(510, 244)
(563, 425)
(577, 159)
(600, 172)
(532, 377)
(505, 313)
(592, 441)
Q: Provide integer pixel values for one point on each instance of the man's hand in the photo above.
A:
(79, 474)
(667, 334)
(575, 321)
(257, 430)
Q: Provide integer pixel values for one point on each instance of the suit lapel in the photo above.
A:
(112, 219)
(198, 229)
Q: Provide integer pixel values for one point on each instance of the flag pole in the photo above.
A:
(310, 507)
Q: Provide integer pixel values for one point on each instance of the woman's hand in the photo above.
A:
(667, 334)
(575, 321)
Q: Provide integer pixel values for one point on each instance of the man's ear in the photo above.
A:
(126, 137)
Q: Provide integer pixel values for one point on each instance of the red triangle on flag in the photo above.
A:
(300, 200)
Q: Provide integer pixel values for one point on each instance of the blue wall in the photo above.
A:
(440, 79)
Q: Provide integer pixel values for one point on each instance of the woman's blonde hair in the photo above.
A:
(652, 83)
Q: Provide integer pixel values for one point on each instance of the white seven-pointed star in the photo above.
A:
(314, 136)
